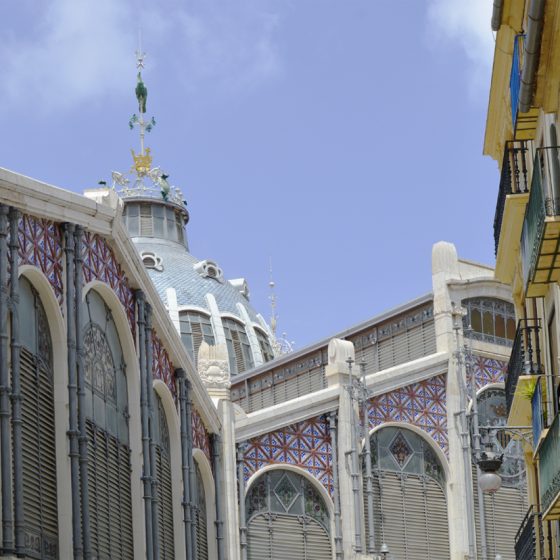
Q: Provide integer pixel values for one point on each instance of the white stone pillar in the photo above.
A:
(445, 268)
(216, 319)
(213, 369)
(251, 335)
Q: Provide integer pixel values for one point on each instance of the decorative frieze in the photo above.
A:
(306, 445)
(200, 435)
(162, 368)
(488, 370)
(421, 404)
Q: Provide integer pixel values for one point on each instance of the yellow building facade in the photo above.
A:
(522, 136)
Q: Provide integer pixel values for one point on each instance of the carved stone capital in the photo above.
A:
(213, 366)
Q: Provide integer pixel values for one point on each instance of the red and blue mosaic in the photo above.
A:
(162, 368)
(488, 370)
(40, 245)
(201, 438)
(306, 445)
(421, 404)
(99, 263)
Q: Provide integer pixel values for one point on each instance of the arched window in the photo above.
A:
(264, 343)
(286, 518)
(195, 328)
(239, 349)
(38, 429)
(505, 509)
(490, 320)
(201, 517)
(165, 488)
(410, 507)
(107, 429)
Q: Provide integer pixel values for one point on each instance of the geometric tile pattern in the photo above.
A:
(201, 438)
(162, 368)
(421, 404)
(487, 370)
(306, 444)
(99, 263)
(40, 245)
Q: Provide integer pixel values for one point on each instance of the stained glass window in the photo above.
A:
(490, 320)
(400, 450)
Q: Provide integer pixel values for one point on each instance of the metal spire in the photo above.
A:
(280, 345)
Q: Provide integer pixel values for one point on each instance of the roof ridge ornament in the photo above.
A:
(145, 181)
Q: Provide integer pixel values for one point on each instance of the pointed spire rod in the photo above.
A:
(272, 297)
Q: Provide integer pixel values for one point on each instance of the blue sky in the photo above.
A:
(341, 139)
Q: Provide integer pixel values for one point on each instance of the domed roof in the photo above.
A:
(190, 278)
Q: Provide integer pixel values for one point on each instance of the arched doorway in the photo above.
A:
(286, 518)
(409, 502)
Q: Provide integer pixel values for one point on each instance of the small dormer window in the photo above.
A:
(151, 260)
(209, 269)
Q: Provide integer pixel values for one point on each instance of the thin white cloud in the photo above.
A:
(465, 24)
(77, 52)
(74, 52)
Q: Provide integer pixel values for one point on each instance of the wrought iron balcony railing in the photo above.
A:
(526, 538)
(544, 201)
(525, 358)
(514, 180)
(549, 471)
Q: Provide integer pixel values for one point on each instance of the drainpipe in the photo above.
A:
(6, 460)
(16, 385)
(532, 47)
(336, 494)
(144, 416)
(476, 446)
(354, 463)
(153, 451)
(370, 544)
(181, 377)
(83, 438)
(73, 433)
(192, 473)
(497, 14)
(242, 518)
(217, 464)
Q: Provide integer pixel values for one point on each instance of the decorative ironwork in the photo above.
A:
(286, 492)
(526, 537)
(525, 358)
(162, 368)
(400, 449)
(422, 404)
(99, 263)
(306, 444)
(513, 180)
(201, 437)
(40, 245)
(99, 367)
(489, 320)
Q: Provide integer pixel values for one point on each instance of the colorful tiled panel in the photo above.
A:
(99, 263)
(201, 438)
(40, 245)
(306, 444)
(420, 404)
(162, 368)
(487, 370)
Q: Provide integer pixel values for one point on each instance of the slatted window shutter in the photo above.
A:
(39, 458)
(166, 541)
(109, 495)
(200, 518)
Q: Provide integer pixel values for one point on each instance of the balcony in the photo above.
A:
(549, 472)
(523, 367)
(526, 539)
(524, 124)
(513, 195)
(540, 236)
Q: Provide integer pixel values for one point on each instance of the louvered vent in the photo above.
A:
(109, 495)
(504, 512)
(282, 537)
(165, 491)
(200, 518)
(410, 516)
(39, 459)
